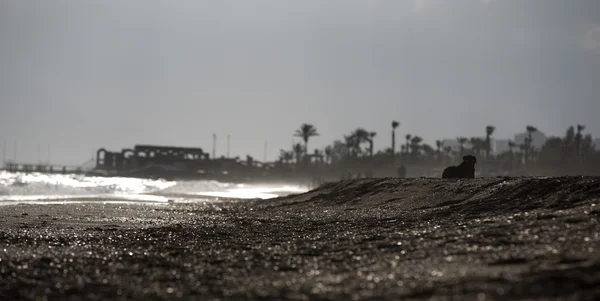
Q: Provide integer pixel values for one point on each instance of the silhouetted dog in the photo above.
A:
(466, 169)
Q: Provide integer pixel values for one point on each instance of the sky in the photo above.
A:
(79, 75)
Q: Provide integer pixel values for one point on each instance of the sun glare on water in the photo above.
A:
(243, 192)
(46, 188)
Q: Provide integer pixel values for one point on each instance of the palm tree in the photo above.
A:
(305, 132)
(408, 136)
(511, 145)
(395, 124)
(529, 141)
(527, 148)
(414, 144)
(371, 138)
(578, 138)
(489, 131)
(356, 139)
(524, 150)
(318, 155)
(530, 130)
(569, 143)
(328, 153)
(289, 156)
(439, 144)
(282, 153)
(351, 143)
(285, 156)
(361, 135)
(461, 142)
(428, 151)
(298, 150)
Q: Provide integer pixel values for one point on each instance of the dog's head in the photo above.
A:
(471, 160)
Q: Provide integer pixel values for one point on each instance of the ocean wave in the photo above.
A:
(30, 187)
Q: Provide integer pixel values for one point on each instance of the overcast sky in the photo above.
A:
(80, 75)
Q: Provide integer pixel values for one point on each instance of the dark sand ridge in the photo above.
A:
(373, 239)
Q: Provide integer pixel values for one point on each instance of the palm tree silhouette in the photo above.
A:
(578, 139)
(511, 145)
(286, 156)
(298, 150)
(282, 155)
(318, 155)
(371, 138)
(328, 153)
(428, 151)
(305, 132)
(395, 124)
(439, 144)
(356, 139)
(351, 143)
(524, 150)
(570, 143)
(361, 135)
(289, 156)
(489, 131)
(408, 136)
(414, 144)
(529, 141)
(530, 130)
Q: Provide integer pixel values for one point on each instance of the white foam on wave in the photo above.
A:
(40, 187)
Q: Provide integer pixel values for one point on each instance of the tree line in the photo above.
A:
(574, 150)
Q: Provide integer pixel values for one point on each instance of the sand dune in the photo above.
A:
(370, 239)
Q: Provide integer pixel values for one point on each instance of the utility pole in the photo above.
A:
(228, 145)
(48, 154)
(214, 150)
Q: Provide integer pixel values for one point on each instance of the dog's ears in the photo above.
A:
(469, 158)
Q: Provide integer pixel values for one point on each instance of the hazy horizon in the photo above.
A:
(84, 75)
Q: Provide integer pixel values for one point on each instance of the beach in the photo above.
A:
(368, 239)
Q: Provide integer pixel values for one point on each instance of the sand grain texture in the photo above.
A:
(372, 239)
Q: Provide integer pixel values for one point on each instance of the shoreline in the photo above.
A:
(378, 239)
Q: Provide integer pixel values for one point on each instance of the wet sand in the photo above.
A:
(373, 239)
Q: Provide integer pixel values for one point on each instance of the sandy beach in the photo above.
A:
(370, 239)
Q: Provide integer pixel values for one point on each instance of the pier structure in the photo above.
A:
(177, 162)
(144, 155)
(43, 168)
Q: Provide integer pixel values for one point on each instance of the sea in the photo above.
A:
(41, 188)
